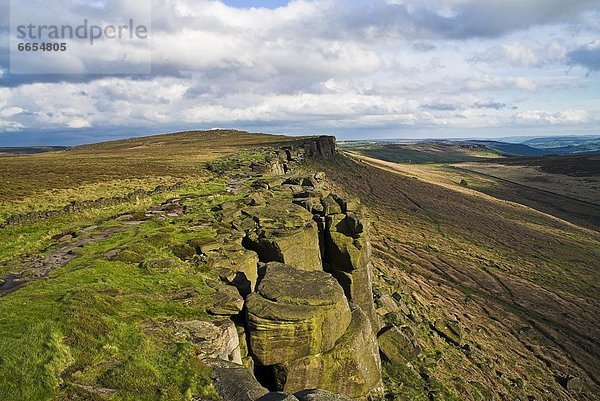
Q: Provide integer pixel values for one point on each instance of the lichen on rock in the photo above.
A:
(351, 367)
(284, 232)
(295, 313)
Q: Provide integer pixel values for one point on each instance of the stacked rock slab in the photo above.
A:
(236, 266)
(351, 367)
(282, 232)
(343, 229)
(295, 313)
(307, 320)
(348, 255)
(301, 325)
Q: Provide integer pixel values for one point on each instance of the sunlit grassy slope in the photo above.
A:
(52, 181)
(100, 326)
(425, 152)
(522, 285)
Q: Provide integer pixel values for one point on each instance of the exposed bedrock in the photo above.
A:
(215, 340)
(351, 367)
(294, 261)
(283, 232)
(321, 147)
(347, 256)
(236, 267)
(294, 314)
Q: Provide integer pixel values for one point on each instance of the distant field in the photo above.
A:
(579, 185)
(567, 187)
(29, 150)
(426, 152)
(574, 166)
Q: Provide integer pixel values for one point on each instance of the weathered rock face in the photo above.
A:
(237, 267)
(397, 347)
(308, 319)
(227, 300)
(295, 313)
(351, 367)
(235, 382)
(283, 232)
(218, 340)
(321, 147)
(347, 256)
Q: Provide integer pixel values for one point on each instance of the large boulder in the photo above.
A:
(284, 232)
(227, 301)
(295, 313)
(449, 330)
(236, 266)
(214, 340)
(397, 347)
(352, 367)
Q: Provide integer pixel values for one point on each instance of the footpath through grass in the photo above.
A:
(102, 325)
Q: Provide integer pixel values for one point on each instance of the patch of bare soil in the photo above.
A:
(35, 267)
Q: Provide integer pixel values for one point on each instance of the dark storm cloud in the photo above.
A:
(587, 56)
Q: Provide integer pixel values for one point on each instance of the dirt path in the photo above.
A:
(31, 268)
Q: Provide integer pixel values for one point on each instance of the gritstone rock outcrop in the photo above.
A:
(294, 259)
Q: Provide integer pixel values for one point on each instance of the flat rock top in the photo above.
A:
(285, 284)
(277, 215)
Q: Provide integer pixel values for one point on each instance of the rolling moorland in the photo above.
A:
(112, 258)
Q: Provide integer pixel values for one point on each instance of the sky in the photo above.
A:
(356, 69)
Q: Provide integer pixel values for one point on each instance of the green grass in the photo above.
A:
(101, 327)
(104, 323)
(36, 237)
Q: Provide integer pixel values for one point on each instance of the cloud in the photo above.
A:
(487, 82)
(440, 106)
(566, 117)
(587, 56)
(423, 47)
(489, 18)
(324, 65)
(519, 54)
(493, 105)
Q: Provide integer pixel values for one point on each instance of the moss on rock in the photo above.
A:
(295, 313)
(352, 367)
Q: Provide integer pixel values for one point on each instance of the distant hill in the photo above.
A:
(447, 150)
(566, 145)
(29, 150)
(425, 152)
(512, 149)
